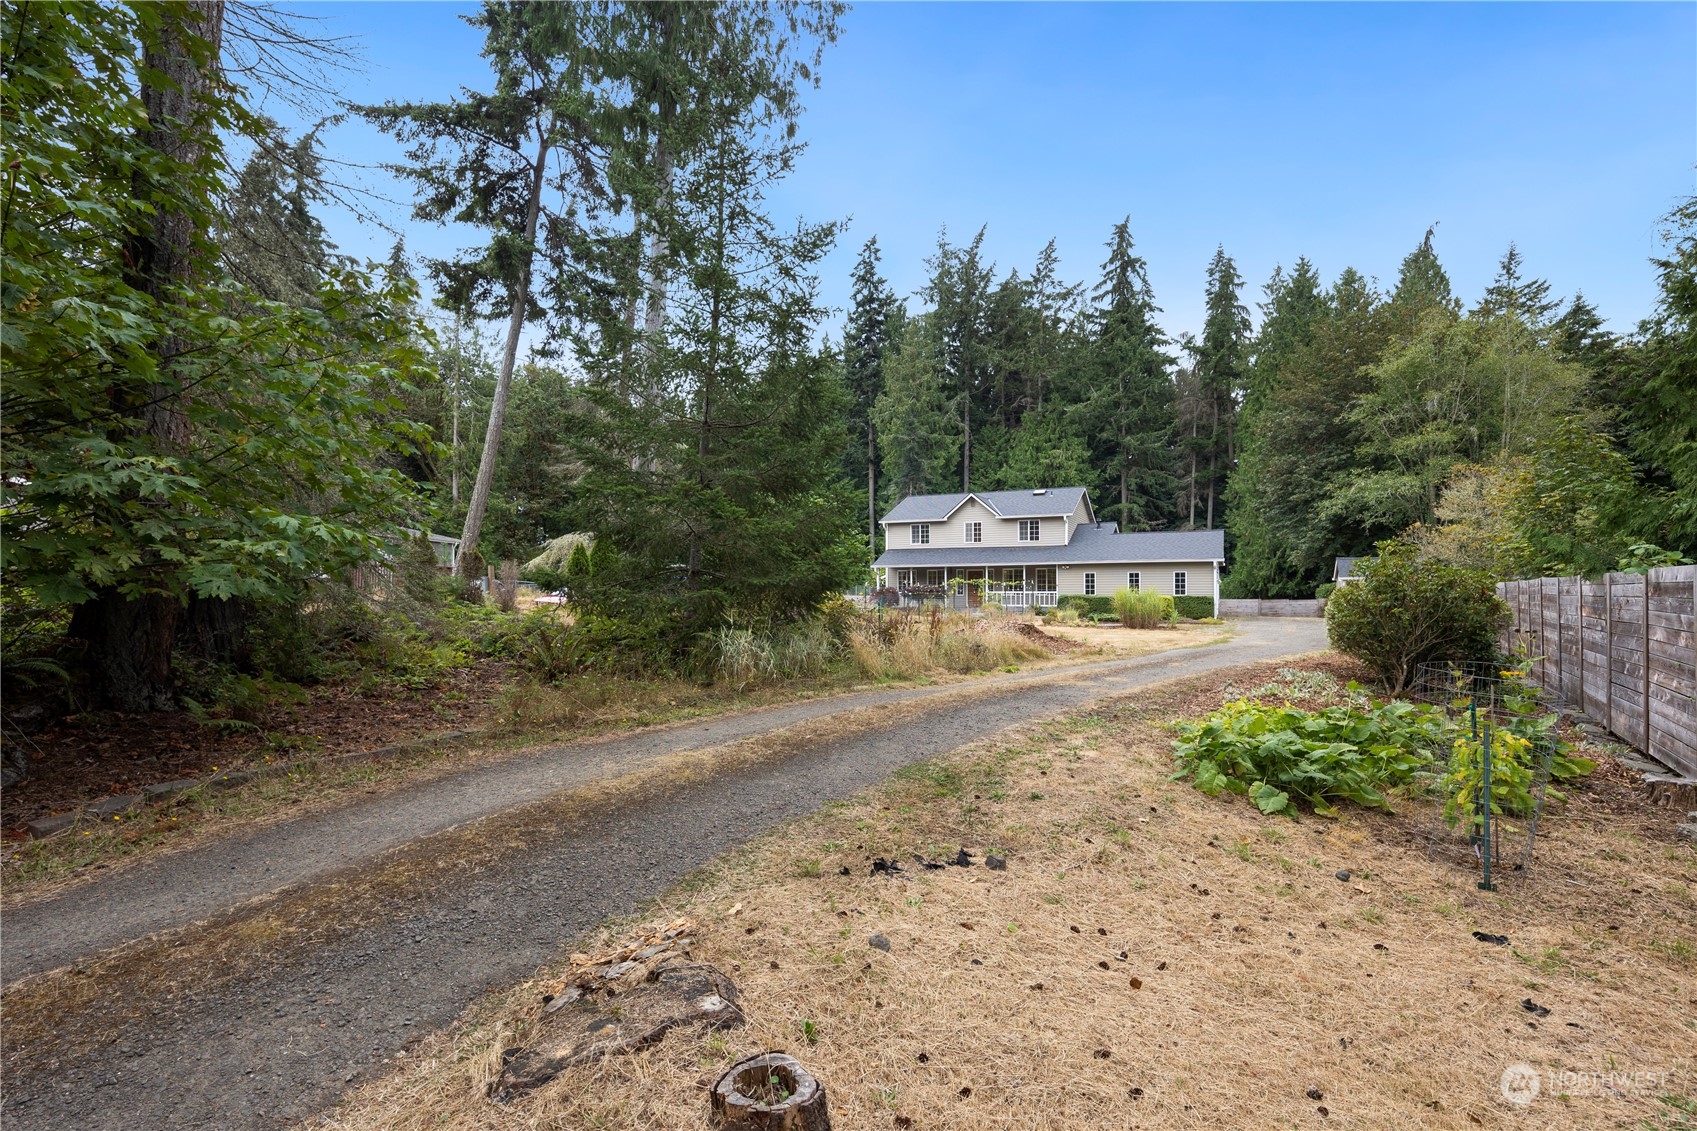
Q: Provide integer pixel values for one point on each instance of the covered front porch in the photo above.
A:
(971, 587)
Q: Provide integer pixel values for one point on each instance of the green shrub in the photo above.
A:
(1274, 754)
(1140, 608)
(1325, 590)
(1086, 606)
(1105, 618)
(1407, 610)
(1194, 608)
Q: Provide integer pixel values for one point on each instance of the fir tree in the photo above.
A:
(269, 237)
(874, 320)
(1125, 407)
(919, 441)
(1294, 306)
(1222, 357)
(959, 291)
(1512, 295)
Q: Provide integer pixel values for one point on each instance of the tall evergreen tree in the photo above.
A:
(1125, 404)
(726, 497)
(1422, 288)
(1511, 294)
(267, 233)
(1222, 365)
(1660, 419)
(1294, 306)
(959, 292)
(500, 161)
(919, 435)
(874, 321)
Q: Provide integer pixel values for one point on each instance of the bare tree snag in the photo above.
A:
(772, 1092)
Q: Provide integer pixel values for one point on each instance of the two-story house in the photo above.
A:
(1030, 548)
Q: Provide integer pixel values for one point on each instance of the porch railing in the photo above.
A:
(1023, 599)
(1015, 599)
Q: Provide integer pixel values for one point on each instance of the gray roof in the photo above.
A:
(1008, 504)
(1343, 567)
(1092, 544)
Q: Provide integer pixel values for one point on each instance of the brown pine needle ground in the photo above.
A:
(1151, 958)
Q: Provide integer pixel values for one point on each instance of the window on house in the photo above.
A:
(1090, 585)
(1030, 529)
(933, 577)
(904, 578)
(1178, 583)
(920, 533)
(1043, 579)
(975, 532)
(1134, 580)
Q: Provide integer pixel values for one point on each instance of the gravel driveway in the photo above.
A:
(275, 1032)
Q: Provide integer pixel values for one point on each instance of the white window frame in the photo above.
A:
(1089, 584)
(919, 534)
(1181, 582)
(1030, 530)
(1042, 579)
(973, 531)
(1134, 580)
(934, 577)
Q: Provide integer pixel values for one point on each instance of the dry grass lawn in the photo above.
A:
(1150, 958)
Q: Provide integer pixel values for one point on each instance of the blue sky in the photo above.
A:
(1336, 131)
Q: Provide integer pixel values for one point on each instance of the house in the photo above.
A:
(445, 549)
(1343, 570)
(1030, 548)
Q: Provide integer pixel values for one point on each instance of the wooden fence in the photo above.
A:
(1622, 649)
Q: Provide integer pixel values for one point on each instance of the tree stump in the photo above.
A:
(772, 1092)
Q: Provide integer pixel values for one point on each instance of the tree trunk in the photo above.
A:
(966, 447)
(214, 629)
(130, 638)
(129, 649)
(745, 1096)
(871, 494)
(654, 283)
(509, 358)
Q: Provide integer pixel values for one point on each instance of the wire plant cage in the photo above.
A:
(1487, 791)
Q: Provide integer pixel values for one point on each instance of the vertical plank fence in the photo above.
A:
(1622, 649)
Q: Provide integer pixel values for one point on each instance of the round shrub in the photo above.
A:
(1325, 590)
(1408, 610)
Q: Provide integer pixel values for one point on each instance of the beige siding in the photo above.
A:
(1080, 515)
(997, 531)
(1199, 578)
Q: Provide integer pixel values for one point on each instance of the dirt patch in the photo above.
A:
(1149, 957)
(1114, 640)
(1054, 643)
(80, 758)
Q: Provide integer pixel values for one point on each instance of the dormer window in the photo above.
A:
(920, 533)
(1030, 530)
(975, 532)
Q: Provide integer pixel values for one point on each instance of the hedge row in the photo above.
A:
(1193, 608)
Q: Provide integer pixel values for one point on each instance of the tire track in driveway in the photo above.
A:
(275, 1043)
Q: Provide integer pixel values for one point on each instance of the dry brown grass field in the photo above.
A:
(1150, 958)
